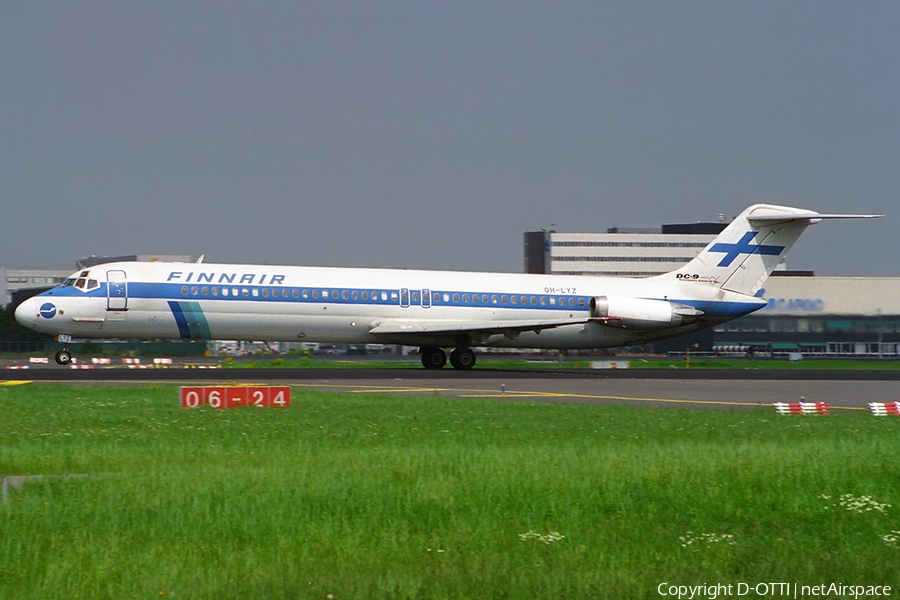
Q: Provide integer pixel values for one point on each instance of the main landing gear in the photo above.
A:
(460, 358)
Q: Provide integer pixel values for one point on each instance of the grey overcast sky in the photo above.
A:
(432, 134)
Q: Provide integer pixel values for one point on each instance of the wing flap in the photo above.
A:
(417, 326)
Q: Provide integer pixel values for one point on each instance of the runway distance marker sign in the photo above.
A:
(236, 396)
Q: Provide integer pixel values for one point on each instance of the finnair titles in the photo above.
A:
(435, 310)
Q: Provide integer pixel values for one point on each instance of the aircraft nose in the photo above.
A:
(26, 313)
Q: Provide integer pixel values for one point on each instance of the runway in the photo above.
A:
(713, 388)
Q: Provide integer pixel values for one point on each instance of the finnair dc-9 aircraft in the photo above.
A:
(434, 310)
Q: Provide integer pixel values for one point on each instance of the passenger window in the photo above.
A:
(533, 300)
(446, 297)
(306, 294)
(543, 300)
(581, 302)
(571, 301)
(384, 295)
(515, 300)
(265, 292)
(284, 293)
(184, 290)
(494, 299)
(215, 291)
(465, 297)
(205, 291)
(324, 293)
(315, 294)
(296, 293)
(394, 295)
(234, 291)
(345, 294)
(255, 293)
(552, 301)
(365, 295)
(456, 297)
(415, 297)
(245, 292)
(224, 291)
(484, 299)
(503, 299)
(355, 295)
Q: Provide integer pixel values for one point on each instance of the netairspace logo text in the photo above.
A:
(771, 590)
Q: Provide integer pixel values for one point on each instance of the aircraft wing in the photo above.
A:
(511, 328)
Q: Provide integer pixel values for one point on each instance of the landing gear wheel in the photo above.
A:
(433, 358)
(63, 357)
(463, 359)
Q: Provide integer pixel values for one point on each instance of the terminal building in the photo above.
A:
(621, 251)
(806, 315)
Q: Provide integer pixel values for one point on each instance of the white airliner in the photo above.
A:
(431, 309)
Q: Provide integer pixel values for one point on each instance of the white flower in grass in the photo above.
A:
(891, 539)
(857, 504)
(553, 536)
(707, 539)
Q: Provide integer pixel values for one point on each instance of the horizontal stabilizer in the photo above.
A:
(803, 216)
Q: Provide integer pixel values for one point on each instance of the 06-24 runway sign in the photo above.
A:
(236, 396)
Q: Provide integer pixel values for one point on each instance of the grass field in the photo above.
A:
(352, 496)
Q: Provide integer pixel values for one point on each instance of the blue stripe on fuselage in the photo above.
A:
(169, 291)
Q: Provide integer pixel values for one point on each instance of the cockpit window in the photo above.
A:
(82, 282)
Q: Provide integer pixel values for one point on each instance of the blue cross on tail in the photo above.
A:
(743, 246)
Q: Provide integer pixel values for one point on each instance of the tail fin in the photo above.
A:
(748, 250)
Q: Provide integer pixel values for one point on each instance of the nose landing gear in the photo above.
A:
(63, 357)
